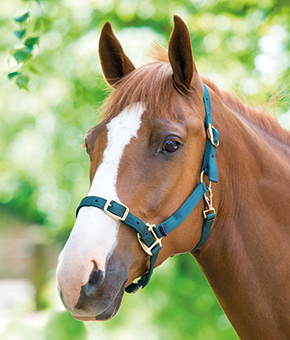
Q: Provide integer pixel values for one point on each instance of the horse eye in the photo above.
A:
(171, 145)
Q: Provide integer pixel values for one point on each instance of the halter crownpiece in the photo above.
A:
(150, 235)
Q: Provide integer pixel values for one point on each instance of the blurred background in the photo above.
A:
(51, 87)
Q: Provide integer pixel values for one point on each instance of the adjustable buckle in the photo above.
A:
(114, 216)
(208, 211)
(157, 242)
(210, 135)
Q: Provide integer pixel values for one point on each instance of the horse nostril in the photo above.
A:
(95, 280)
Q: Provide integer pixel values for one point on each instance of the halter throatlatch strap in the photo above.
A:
(150, 235)
(209, 164)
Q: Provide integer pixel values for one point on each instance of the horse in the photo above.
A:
(179, 166)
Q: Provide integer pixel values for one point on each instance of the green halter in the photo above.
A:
(150, 236)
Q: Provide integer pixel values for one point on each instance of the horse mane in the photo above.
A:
(154, 81)
(258, 116)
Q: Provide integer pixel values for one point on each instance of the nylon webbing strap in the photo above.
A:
(209, 164)
(183, 212)
(151, 238)
(205, 231)
(118, 210)
(143, 281)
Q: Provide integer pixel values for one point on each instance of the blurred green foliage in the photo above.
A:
(50, 93)
(62, 326)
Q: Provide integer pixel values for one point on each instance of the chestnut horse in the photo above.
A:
(148, 155)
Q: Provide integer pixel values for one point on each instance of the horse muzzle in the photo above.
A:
(97, 299)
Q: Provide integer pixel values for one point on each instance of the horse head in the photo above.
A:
(146, 153)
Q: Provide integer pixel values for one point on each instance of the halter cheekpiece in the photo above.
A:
(149, 235)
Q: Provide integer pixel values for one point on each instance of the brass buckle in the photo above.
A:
(148, 250)
(210, 136)
(208, 211)
(116, 217)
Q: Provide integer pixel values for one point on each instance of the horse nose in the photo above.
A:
(94, 282)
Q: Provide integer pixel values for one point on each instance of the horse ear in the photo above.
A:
(115, 63)
(180, 54)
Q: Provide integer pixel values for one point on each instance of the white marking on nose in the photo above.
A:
(94, 235)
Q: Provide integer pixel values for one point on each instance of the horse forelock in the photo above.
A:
(152, 85)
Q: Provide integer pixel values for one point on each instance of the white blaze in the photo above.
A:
(94, 235)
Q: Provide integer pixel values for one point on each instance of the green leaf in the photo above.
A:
(37, 25)
(13, 74)
(22, 55)
(22, 82)
(38, 1)
(22, 17)
(30, 42)
(20, 33)
(33, 69)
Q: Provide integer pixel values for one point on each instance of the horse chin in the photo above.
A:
(107, 314)
(104, 316)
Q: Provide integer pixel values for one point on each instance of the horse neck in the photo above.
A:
(246, 259)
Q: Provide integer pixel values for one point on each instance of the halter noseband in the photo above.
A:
(150, 235)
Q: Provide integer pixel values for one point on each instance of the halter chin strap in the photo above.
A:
(150, 235)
